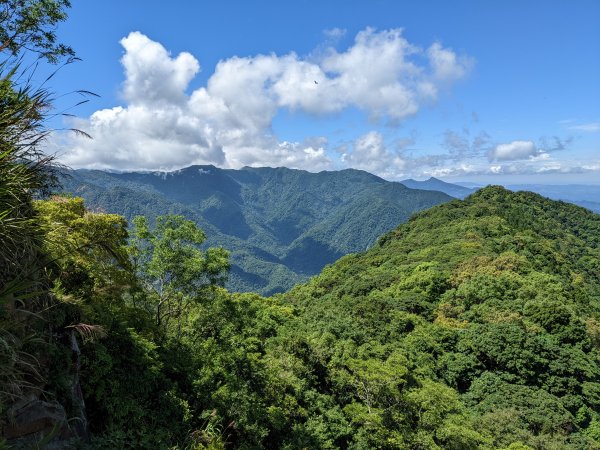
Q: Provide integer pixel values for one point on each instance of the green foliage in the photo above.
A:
(29, 26)
(493, 303)
(125, 387)
(280, 225)
(173, 268)
(21, 257)
(24, 171)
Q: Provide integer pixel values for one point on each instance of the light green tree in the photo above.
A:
(173, 268)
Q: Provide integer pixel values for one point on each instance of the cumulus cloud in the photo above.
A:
(137, 137)
(447, 65)
(514, 150)
(151, 75)
(369, 153)
(228, 122)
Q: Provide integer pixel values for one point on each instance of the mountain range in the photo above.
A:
(280, 225)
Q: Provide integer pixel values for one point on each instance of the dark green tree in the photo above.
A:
(30, 26)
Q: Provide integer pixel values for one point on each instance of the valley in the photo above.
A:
(281, 225)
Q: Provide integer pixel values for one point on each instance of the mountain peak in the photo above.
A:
(273, 220)
(435, 184)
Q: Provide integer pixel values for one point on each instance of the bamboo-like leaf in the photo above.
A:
(89, 333)
(81, 133)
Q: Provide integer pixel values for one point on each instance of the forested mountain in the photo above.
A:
(474, 325)
(280, 225)
(433, 184)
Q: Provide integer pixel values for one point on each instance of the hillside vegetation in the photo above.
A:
(485, 309)
(280, 225)
(473, 326)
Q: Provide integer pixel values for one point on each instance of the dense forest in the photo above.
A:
(281, 225)
(475, 325)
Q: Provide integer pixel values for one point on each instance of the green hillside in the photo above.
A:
(280, 225)
(484, 311)
(476, 325)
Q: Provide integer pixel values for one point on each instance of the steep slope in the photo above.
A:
(352, 226)
(281, 225)
(496, 298)
(433, 184)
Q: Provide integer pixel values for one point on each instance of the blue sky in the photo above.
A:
(472, 91)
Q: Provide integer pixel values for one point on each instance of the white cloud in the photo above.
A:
(593, 127)
(514, 150)
(137, 137)
(370, 153)
(228, 121)
(447, 65)
(151, 75)
(335, 33)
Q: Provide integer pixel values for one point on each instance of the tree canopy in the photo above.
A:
(30, 26)
(476, 325)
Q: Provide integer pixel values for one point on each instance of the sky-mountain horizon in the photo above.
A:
(384, 89)
(280, 225)
(300, 225)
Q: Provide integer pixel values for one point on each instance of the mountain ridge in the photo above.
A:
(281, 225)
(495, 298)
